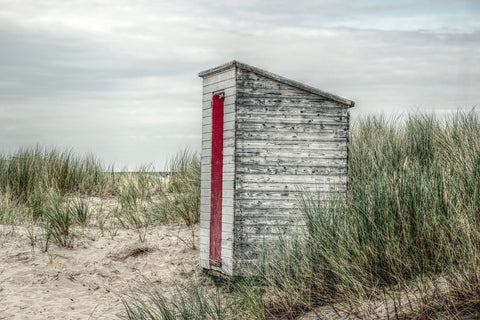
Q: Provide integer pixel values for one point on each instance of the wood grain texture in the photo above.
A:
(288, 142)
(281, 138)
(225, 82)
(251, 72)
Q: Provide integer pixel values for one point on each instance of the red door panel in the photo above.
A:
(217, 177)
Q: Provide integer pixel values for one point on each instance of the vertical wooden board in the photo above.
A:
(217, 181)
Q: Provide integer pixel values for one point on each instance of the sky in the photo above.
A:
(119, 79)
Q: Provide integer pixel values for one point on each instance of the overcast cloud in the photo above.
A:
(119, 78)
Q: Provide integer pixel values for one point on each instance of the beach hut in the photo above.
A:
(265, 138)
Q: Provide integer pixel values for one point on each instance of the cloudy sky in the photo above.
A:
(118, 78)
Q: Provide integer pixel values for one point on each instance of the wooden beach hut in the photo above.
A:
(264, 138)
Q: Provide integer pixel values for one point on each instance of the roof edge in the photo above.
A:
(276, 77)
(220, 68)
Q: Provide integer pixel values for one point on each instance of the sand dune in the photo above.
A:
(86, 282)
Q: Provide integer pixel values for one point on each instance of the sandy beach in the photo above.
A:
(87, 281)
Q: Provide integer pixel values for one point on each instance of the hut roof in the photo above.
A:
(278, 78)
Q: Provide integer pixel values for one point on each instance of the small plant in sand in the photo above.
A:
(80, 211)
(58, 224)
(139, 220)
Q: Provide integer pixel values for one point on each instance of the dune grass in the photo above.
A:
(29, 172)
(412, 213)
(407, 237)
(49, 188)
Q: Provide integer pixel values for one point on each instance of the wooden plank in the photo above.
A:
(258, 77)
(229, 117)
(254, 239)
(230, 95)
(325, 145)
(219, 77)
(257, 215)
(281, 220)
(275, 187)
(291, 107)
(279, 130)
(284, 93)
(214, 87)
(294, 169)
(272, 204)
(317, 128)
(246, 82)
(319, 160)
(229, 125)
(287, 153)
(259, 229)
(276, 99)
(230, 108)
(292, 195)
(300, 119)
(293, 136)
(291, 151)
(274, 178)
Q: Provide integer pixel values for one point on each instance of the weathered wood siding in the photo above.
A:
(224, 81)
(286, 140)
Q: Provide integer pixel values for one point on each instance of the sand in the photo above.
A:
(87, 281)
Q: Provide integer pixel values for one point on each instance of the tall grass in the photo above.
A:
(192, 302)
(184, 187)
(27, 173)
(181, 199)
(412, 212)
(39, 185)
(408, 230)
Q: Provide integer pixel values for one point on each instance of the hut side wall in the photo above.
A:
(286, 139)
(219, 82)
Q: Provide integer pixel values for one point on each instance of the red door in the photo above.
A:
(217, 176)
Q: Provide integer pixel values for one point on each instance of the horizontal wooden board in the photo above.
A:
(269, 203)
(292, 160)
(214, 87)
(219, 77)
(246, 195)
(293, 170)
(259, 94)
(260, 229)
(283, 153)
(261, 186)
(296, 132)
(300, 119)
(262, 100)
(267, 85)
(324, 145)
(322, 136)
(258, 215)
(315, 128)
(292, 179)
(230, 96)
(291, 150)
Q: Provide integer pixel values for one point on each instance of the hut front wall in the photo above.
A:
(287, 140)
(215, 83)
